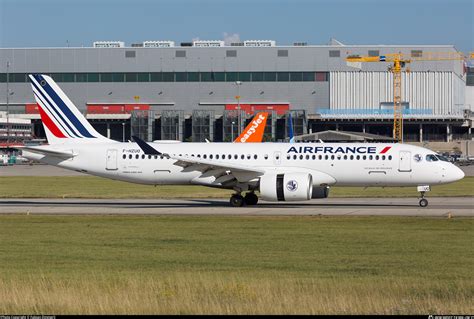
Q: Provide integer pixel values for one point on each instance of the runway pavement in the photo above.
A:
(457, 206)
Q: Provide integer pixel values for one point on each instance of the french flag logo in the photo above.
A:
(385, 149)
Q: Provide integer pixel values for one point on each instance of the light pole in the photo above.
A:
(232, 130)
(238, 83)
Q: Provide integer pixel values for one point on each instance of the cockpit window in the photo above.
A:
(431, 158)
(442, 158)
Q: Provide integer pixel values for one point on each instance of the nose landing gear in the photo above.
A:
(423, 201)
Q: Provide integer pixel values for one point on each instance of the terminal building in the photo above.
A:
(193, 91)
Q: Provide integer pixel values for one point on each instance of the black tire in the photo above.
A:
(236, 201)
(423, 202)
(251, 199)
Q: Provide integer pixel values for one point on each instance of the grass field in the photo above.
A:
(235, 265)
(96, 187)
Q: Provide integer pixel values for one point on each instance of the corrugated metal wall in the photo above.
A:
(436, 91)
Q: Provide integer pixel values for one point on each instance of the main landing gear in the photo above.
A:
(423, 201)
(238, 200)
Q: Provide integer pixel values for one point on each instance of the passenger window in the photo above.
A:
(332, 157)
(156, 156)
(136, 156)
(210, 156)
(376, 157)
(236, 156)
(358, 157)
(217, 156)
(229, 156)
(313, 157)
(307, 156)
(383, 157)
(320, 157)
(301, 156)
(352, 157)
(124, 156)
(326, 157)
(345, 157)
(199, 155)
(149, 156)
(255, 156)
(265, 156)
(295, 157)
(143, 156)
(364, 157)
(371, 157)
(390, 157)
(249, 156)
(204, 156)
(338, 157)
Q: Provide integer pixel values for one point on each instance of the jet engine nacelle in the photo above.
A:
(320, 192)
(286, 187)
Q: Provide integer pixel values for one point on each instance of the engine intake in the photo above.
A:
(286, 187)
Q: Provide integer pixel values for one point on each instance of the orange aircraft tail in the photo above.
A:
(253, 133)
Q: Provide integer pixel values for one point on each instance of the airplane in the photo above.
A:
(253, 133)
(280, 172)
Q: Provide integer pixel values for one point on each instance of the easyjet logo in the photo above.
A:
(254, 130)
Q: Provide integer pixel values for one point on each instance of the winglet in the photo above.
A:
(146, 148)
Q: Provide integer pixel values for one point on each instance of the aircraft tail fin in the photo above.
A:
(62, 120)
(253, 133)
(290, 129)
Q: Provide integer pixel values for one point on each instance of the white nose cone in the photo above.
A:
(455, 174)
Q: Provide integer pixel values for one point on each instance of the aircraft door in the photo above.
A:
(277, 158)
(404, 164)
(111, 162)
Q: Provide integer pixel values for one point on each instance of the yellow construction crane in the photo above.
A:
(399, 61)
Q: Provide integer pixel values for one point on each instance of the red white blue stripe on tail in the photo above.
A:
(61, 118)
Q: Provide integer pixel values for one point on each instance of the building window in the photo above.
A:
(257, 76)
(231, 76)
(269, 76)
(105, 77)
(118, 77)
(308, 76)
(283, 76)
(322, 76)
(244, 76)
(129, 54)
(334, 53)
(416, 53)
(181, 76)
(231, 53)
(130, 77)
(68, 77)
(17, 77)
(374, 53)
(193, 76)
(156, 77)
(143, 77)
(168, 77)
(296, 76)
(282, 53)
(81, 77)
(180, 54)
(92, 77)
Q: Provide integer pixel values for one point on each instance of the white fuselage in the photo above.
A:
(336, 164)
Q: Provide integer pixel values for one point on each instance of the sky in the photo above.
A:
(59, 23)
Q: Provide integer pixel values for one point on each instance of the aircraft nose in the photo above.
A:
(456, 173)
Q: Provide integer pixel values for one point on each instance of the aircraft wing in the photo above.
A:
(241, 172)
(45, 151)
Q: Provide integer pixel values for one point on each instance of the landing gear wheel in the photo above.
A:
(236, 200)
(423, 202)
(251, 199)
